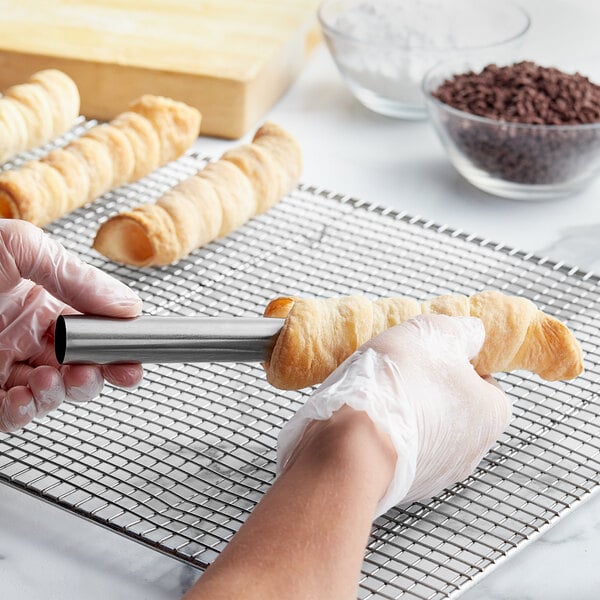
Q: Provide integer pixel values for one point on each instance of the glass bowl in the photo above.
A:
(383, 49)
(513, 160)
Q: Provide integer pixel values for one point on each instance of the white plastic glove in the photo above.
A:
(39, 280)
(416, 384)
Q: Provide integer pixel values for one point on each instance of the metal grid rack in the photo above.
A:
(179, 463)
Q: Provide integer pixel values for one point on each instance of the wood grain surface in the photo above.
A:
(232, 59)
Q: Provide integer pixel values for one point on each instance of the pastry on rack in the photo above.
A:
(154, 130)
(33, 113)
(319, 334)
(245, 181)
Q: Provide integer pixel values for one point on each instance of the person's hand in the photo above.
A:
(40, 280)
(417, 385)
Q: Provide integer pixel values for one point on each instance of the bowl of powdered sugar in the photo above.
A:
(519, 130)
(383, 48)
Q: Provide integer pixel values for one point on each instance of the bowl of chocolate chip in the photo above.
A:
(519, 130)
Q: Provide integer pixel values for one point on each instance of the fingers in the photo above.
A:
(17, 408)
(471, 334)
(24, 324)
(22, 403)
(123, 375)
(28, 253)
(47, 388)
(34, 393)
(490, 407)
(82, 382)
(501, 400)
(453, 338)
(489, 379)
(37, 391)
(18, 375)
(9, 273)
(465, 334)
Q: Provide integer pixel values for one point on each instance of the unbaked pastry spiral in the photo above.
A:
(319, 334)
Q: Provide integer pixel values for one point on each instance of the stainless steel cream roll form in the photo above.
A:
(157, 339)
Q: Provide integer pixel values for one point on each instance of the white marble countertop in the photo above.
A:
(48, 554)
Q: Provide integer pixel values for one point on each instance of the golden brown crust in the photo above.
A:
(236, 196)
(51, 190)
(74, 172)
(180, 210)
(17, 136)
(25, 193)
(186, 217)
(447, 304)
(264, 174)
(318, 334)
(36, 110)
(95, 156)
(8, 207)
(196, 214)
(63, 96)
(552, 348)
(388, 312)
(506, 320)
(152, 217)
(284, 151)
(103, 158)
(124, 239)
(119, 149)
(16, 198)
(207, 213)
(279, 308)
(33, 113)
(210, 204)
(144, 142)
(318, 346)
(176, 124)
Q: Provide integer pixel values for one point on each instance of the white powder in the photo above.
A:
(386, 46)
(409, 25)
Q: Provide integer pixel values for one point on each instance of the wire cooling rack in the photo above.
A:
(179, 463)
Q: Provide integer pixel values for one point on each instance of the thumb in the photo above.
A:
(28, 253)
(470, 334)
(463, 334)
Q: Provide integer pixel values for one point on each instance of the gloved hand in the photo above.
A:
(417, 385)
(39, 280)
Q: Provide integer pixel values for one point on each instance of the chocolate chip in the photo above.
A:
(507, 93)
(529, 94)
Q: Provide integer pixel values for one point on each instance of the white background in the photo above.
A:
(47, 554)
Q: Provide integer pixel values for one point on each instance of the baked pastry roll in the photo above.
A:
(245, 181)
(129, 147)
(33, 113)
(319, 334)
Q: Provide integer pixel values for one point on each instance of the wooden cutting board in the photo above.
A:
(232, 59)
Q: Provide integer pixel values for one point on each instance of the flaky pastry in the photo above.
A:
(33, 113)
(245, 181)
(319, 334)
(129, 147)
